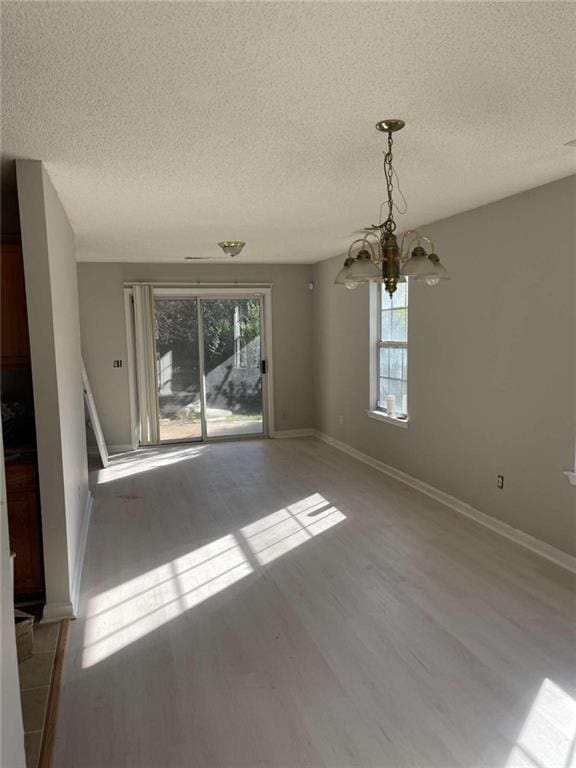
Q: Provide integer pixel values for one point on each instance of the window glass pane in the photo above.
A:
(399, 325)
(399, 296)
(396, 359)
(404, 405)
(385, 362)
(393, 387)
(386, 326)
(387, 302)
(383, 391)
(178, 369)
(232, 375)
(396, 388)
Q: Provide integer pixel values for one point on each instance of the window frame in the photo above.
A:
(376, 410)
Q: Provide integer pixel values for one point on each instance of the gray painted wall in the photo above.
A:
(492, 363)
(52, 297)
(104, 334)
(492, 386)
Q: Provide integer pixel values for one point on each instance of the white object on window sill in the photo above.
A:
(571, 477)
(382, 416)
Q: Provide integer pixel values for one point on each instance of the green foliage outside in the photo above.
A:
(177, 321)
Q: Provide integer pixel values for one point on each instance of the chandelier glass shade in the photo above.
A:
(419, 265)
(344, 273)
(381, 258)
(363, 269)
(440, 271)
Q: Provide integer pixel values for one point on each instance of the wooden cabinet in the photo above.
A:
(22, 492)
(15, 346)
(25, 526)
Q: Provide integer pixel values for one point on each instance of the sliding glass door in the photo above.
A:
(232, 363)
(178, 375)
(209, 366)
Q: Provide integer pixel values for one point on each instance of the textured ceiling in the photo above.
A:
(169, 126)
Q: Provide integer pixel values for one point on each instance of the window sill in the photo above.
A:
(381, 416)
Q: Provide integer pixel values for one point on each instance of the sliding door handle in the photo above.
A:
(263, 367)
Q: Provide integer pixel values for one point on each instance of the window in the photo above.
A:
(392, 352)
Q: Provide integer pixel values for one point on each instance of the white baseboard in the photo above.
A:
(286, 433)
(557, 556)
(57, 612)
(79, 564)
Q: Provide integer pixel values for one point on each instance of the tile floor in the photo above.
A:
(35, 676)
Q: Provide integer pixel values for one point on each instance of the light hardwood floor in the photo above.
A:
(277, 603)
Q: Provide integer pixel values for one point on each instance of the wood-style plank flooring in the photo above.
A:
(277, 603)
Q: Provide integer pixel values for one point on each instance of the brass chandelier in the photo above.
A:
(380, 258)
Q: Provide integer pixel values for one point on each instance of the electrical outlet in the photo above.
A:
(340, 420)
(500, 481)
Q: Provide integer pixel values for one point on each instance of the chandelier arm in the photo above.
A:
(412, 234)
(430, 243)
(415, 236)
(368, 243)
(352, 244)
(405, 235)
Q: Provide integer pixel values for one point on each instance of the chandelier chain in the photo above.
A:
(389, 224)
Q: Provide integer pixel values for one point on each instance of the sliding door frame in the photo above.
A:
(134, 409)
(212, 290)
(201, 362)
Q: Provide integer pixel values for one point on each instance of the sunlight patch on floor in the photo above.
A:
(548, 737)
(144, 461)
(122, 615)
(288, 528)
(118, 617)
